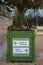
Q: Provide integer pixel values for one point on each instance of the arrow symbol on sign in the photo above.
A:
(15, 43)
(26, 50)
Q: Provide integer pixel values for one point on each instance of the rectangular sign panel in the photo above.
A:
(21, 46)
(20, 42)
(21, 50)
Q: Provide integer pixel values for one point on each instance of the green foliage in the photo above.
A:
(25, 3)
(21, 4)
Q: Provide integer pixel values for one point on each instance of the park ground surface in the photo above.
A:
(3, 47)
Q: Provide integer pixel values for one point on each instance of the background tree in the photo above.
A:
(21, 5)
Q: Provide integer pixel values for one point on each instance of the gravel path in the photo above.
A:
(4, 23)
(3, 49)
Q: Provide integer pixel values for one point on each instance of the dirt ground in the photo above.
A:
(38, 52)
(39, 49)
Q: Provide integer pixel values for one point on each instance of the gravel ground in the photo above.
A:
(39, 49)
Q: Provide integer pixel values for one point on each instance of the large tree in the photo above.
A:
(21, 6)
